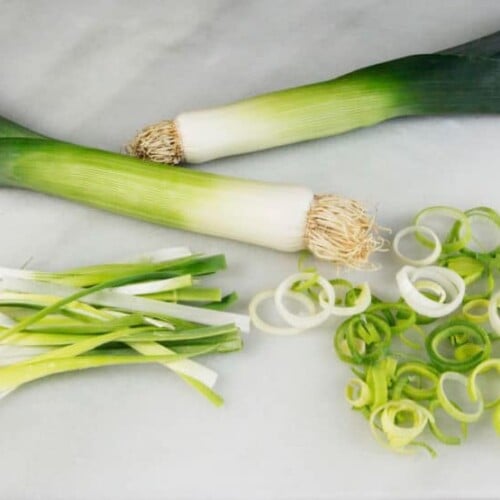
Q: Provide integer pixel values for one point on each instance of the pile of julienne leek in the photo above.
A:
(151, 309)
(427, 355)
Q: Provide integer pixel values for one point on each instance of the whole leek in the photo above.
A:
(465, 79)
(283, 217)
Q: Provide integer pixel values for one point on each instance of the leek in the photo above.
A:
(283, 217)
(465, 79)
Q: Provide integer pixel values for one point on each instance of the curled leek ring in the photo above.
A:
(475, 345)
(476, 305)
(419, 371)
(458, 241)
(399, 437)
(450, 407)
(358, 393)
(493, 217)
(490, 364)
(398, 315)
(493, 312)
(429, 259)
(439, 433)
(304, 321)
(449, 280)
(360, 305)
(433, 288)
(273, 329)
(374, 333)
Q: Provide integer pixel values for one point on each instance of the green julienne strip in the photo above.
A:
(21, 373)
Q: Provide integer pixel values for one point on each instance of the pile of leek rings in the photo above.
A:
(446, 331)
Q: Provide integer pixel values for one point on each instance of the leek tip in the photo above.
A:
(341, 230)
(159, 142)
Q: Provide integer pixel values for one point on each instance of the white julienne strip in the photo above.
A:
(156, 286)
(426, 261)
(187, 367)
(7, 272)
(150, 321)
(7, 297)
(10, 354)
(161, 255)
(182, 367)
(119, 300)
(6, 321)
(449, 280)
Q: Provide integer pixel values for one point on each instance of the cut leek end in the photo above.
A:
(159, 142)
(342, 231)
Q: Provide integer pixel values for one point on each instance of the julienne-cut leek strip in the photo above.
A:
(11, 377)
(279, 216)
(178, 272)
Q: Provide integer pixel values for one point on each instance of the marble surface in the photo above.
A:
(94, 72)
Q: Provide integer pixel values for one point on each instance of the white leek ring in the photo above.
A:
(262, 325)
(312, 320)
(449, 280)
(425, 261)
(433, 287)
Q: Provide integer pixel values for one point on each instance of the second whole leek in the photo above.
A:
(283, 217)
(462, 80)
